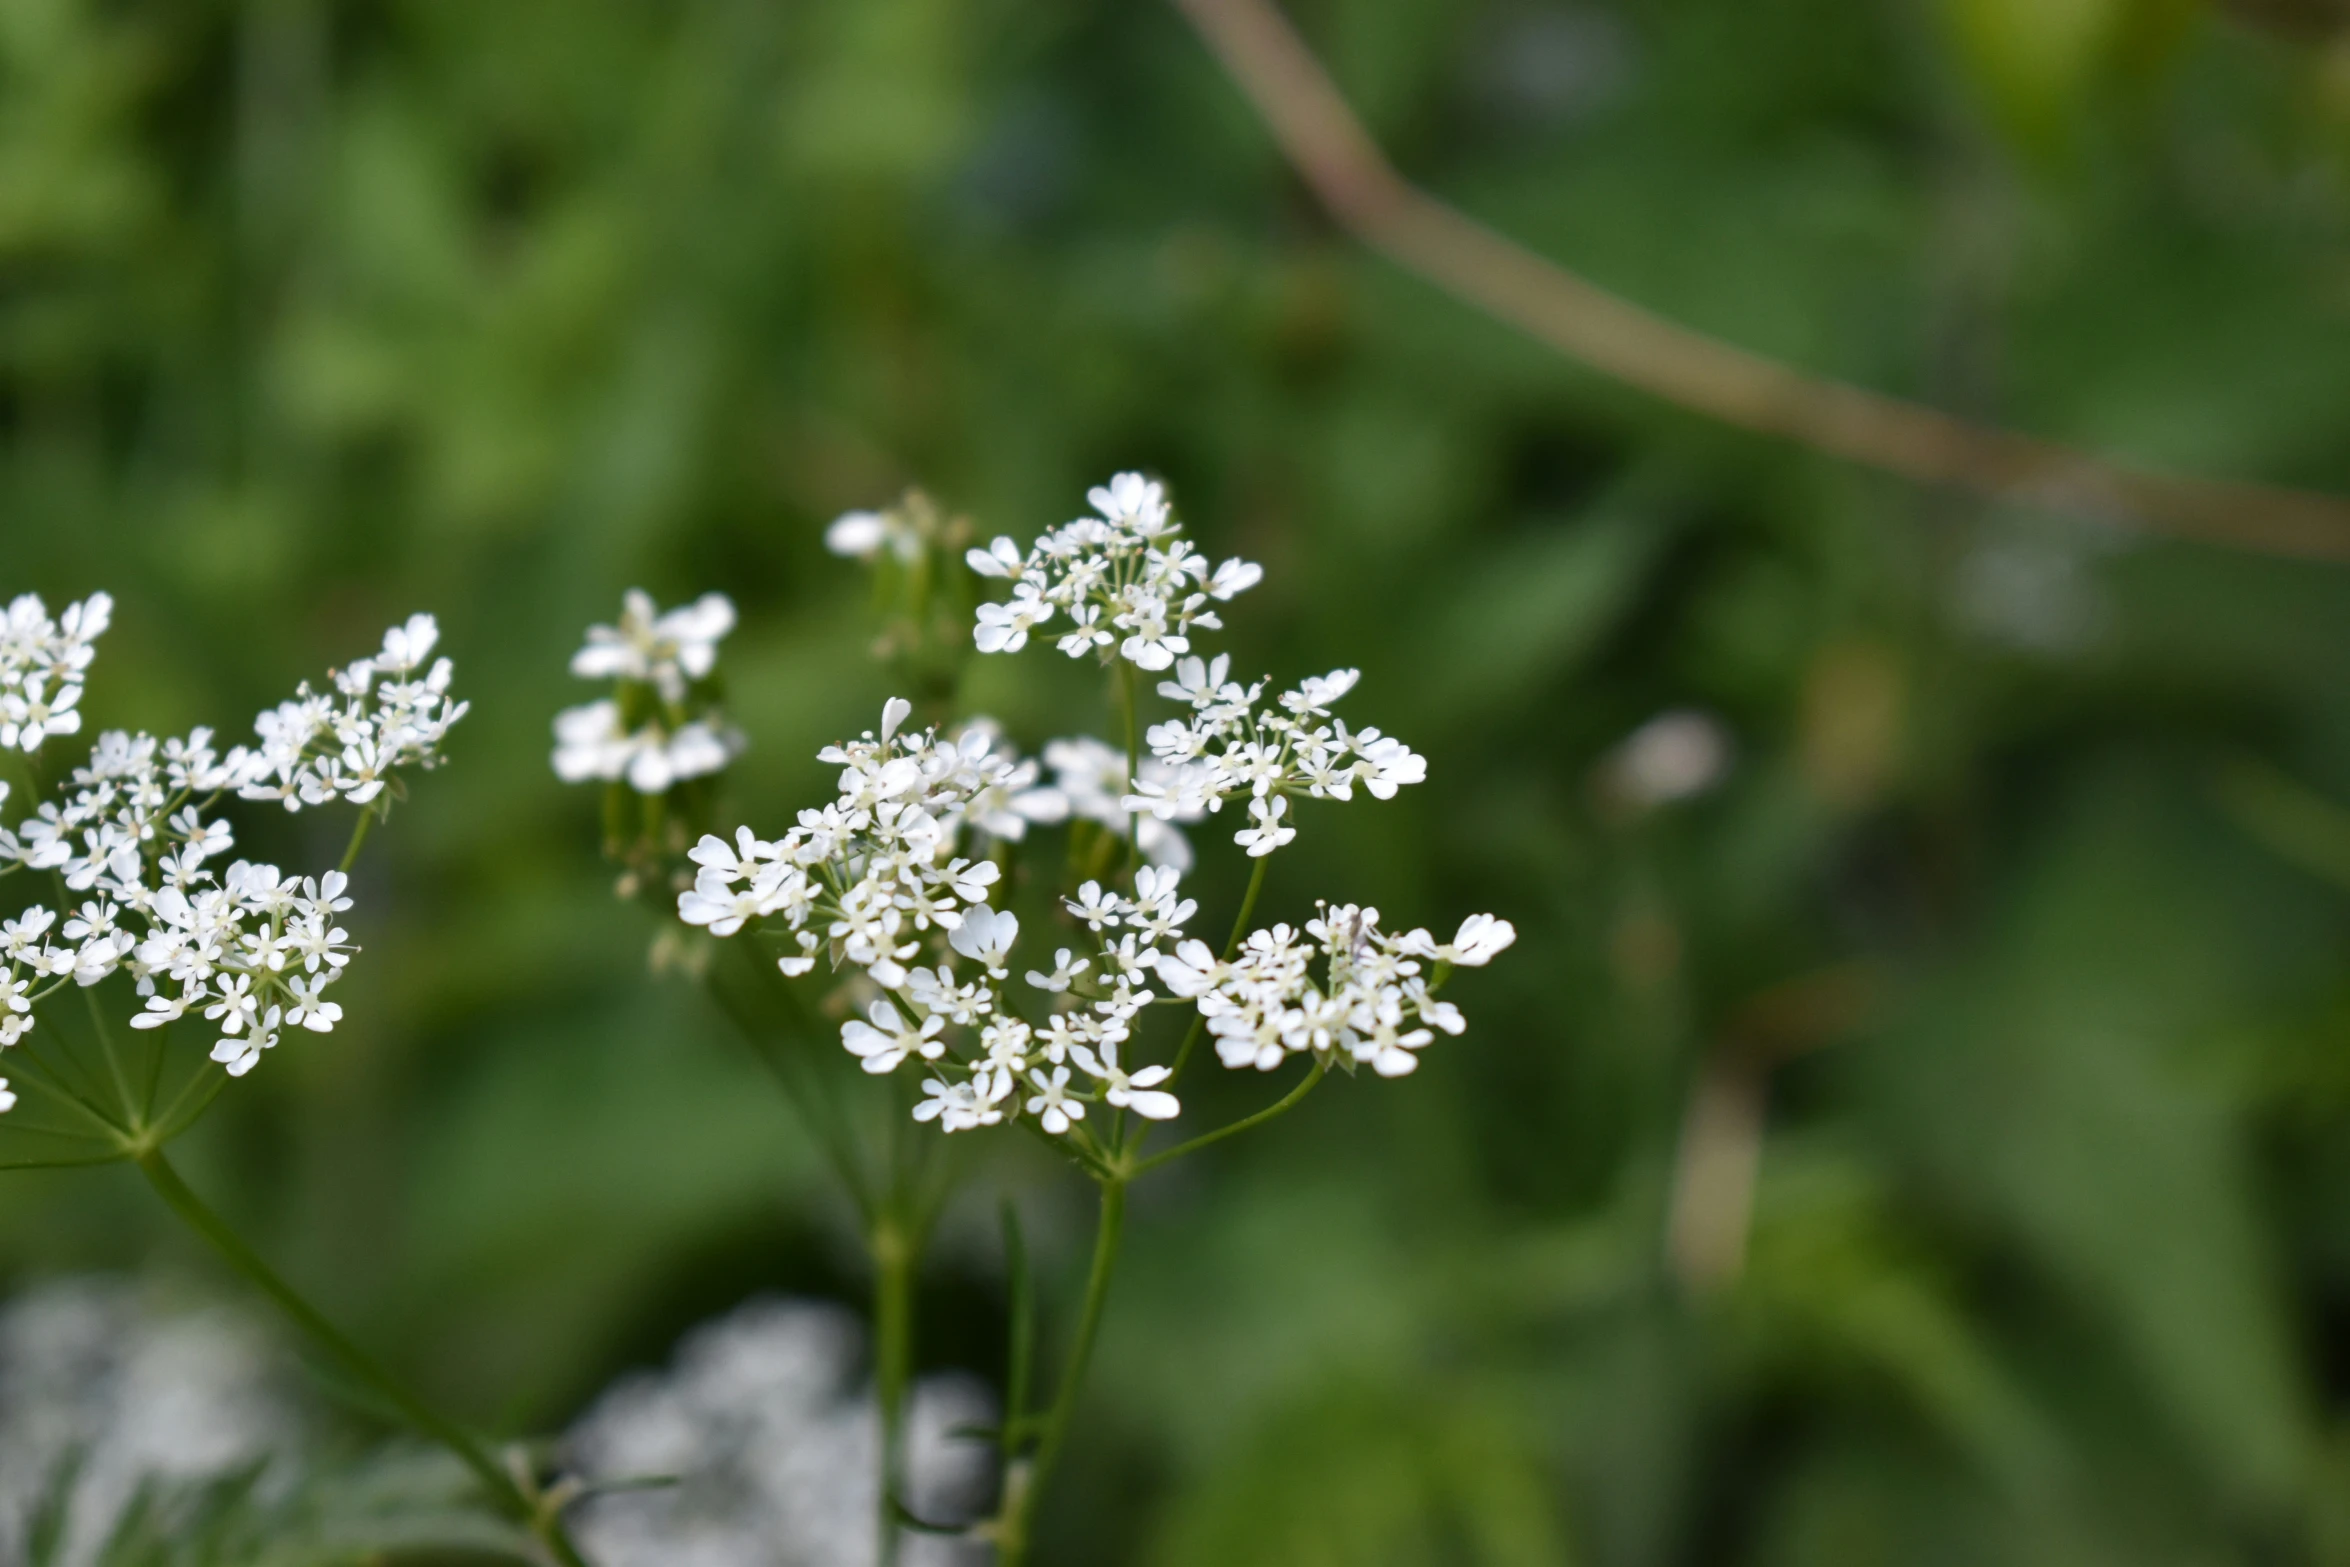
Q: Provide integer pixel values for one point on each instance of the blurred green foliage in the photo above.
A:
(312, 314)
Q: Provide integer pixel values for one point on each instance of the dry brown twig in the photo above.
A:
(1336, 157)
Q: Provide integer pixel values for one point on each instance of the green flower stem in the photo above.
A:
(1280, 1106)
(209, 1080)
(1199, 1020)
(801, 1082)
(1012, 1534)
(358, 837)
(541, 1520)
(1128, 704)
(896, 1256)
(122, 1085)
(53, 1078)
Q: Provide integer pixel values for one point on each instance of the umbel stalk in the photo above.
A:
(540, 1514)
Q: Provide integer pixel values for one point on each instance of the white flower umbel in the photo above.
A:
(1125, 581)
(898, 879)
(663, 724)
(131, 840)
(384, 713)
(882, 879)
(1131, 588)
(1373, 1005)
(890, 877)
(41, 667)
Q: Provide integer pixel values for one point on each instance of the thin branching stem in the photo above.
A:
(1128, 704)
(39, 1070)
(1013, 1533)
(1281, 1106)
(897, 1255)
(358, 837)
(542, 1521)
(818, 1111)
(122, 1086)
(1199, 1020)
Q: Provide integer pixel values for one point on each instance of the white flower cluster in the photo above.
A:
(771, 1445)
(385, 713)
(1091, 776)
(41, 665)
(863, 535)
(881, 879)
(875, 880)
(1230, 745)
(1124, 580)
(1129, 571)
(254, 950)
(662, 727)
(1373, 1007)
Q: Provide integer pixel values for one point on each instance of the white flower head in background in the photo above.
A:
(772, 1442)
(1676, 755)
(41, 666)
(667, 651)
(664, 725)
(143, 1393)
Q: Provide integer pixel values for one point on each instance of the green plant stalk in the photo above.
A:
(1199, 1020)
(1280, 1106)
(1020, 1352)
(542, 1521)
(818, 1112)
(896, 1257)
(358, 837)
(1012, 1537)
(1128, 704)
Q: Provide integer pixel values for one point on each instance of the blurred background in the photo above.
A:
(1914, 1126)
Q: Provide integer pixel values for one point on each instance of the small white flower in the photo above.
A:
(1234, 578)
(161, 1010)
(985, 936)
(957, 1107)
(1065, 971)
(886, 1041)
(1268, 834)
(1052, 1104)
(308, 1010)
(1190, 971)
(1003, 628)
(666, 650)
(236, 1006)
(241, 1054)
(408, 645)
(1099, 909)
(1129, 1091)
(999, 559)
(1480, 939)
(7, 1099)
